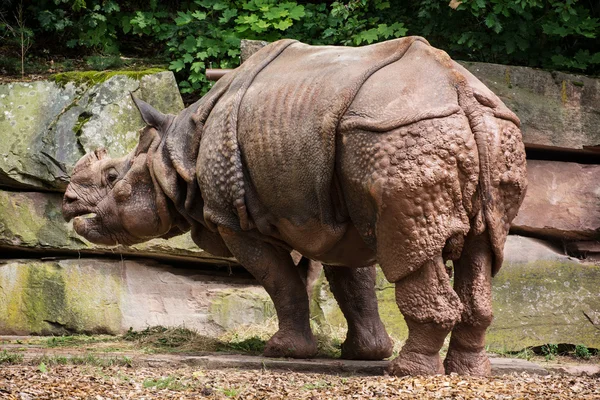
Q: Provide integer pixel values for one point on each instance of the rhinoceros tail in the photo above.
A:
(502, 181)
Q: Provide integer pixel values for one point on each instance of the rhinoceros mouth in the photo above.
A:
(83, 222)
(87, 215)
(89, 225)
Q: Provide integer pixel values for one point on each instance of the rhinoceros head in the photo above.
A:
(118, 201)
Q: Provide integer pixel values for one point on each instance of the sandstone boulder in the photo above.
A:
(556, 109)
(109, 296)
(562, 201)
(45, 126)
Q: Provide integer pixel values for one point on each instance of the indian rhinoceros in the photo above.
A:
(390, 153)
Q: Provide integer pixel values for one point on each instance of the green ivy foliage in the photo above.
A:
(198, 34)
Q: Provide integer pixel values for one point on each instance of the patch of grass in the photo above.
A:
(172, 339)
(91, 359)
(581, 351)
(51, 360)
(550, 351)
(525, 354)
(316, 385)
(7, 357)
(75, 340)
(169, 382)
(252, 345)
(231, 392)
(86, 359)
(42, 368)
(328, 347)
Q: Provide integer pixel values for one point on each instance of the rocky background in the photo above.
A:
(55, 282)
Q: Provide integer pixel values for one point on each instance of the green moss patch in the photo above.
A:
(94, 77)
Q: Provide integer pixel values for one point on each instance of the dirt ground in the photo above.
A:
(121, 382)
(79, 367)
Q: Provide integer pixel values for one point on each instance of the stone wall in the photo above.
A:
(53, 281)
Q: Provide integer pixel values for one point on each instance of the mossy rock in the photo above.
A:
(541, 296)
(33, 221)
(46, 298)
(555, 108)
(241, 306)
(45, 126)
(96, 295)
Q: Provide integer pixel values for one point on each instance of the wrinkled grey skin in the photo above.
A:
(390, 153)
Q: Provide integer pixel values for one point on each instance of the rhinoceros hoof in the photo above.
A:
(291, 344)
(367, 347)
(410, 363)
(467, 363)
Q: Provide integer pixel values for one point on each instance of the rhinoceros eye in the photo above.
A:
(111, 176)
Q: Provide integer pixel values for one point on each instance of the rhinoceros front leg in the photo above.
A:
(275, 271)
(430, 308)
(472, 282)
(354, 291)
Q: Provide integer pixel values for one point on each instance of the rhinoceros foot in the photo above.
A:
(367, 345)
(411, 363)
(475, 363)
(294, 344)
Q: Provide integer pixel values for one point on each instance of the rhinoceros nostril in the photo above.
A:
(70, 197)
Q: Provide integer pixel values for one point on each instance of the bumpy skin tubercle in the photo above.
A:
(390, 153)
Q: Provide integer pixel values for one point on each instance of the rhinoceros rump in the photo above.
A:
(390, 153)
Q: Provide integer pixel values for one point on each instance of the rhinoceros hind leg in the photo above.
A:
(472, 282)
(275, 271)
(431, 308)
(354, 291)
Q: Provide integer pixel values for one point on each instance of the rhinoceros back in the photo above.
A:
(288, 110)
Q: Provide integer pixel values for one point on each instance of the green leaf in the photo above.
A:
(276, 13)
(283, 25)
(383, 5)
(111, 6)
(42, 368)
(510, 46)
(329, 32)
(247, 19)
(399, 29)
(187, 58)
(183, 18)
(198, 66)
(297, 12)
(220, 5)
(200, 16)
(189, 44)
(260, 26)
(227, 15)
(177, 65)
(126, 24)
(201, 55)
(368, 36)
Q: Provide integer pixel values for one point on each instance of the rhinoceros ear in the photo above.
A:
(150, 115)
